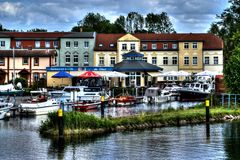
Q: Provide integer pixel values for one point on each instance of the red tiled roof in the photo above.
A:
(106, 40)
(27, 53)
(210, 41)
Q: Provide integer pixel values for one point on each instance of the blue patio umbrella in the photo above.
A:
(62, 74)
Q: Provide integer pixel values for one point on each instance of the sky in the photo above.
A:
(187, 16)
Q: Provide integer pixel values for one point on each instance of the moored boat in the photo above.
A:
(85, 106)
(156, 95)
(122, 100)
(5, 107)
(39, 108)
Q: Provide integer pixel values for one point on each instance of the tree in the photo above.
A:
(120, 24)
(228, 25)
(134, 22)
(232, 68)
(159, 23)
(37, 30)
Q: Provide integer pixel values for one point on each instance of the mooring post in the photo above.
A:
(102, 106)
(60, 122)
(207, 104)
(222, 100)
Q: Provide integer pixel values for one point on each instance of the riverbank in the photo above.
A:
(77, 123)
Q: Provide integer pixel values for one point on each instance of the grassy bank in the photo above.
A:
(79, 123)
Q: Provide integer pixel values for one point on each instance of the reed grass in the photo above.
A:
(82, 121)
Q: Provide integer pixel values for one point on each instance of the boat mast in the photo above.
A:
(13, 67)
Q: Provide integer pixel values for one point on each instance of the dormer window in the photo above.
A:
(165, 46)
(111, 45)
(100, 45)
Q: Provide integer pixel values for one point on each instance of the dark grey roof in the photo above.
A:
(28, 53)
(79, 35)
(135, 65)
(4, 35)
(132, 54)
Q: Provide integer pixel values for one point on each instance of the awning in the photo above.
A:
(154, 74)
(77, 73)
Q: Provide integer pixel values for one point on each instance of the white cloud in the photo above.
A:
(10, 8)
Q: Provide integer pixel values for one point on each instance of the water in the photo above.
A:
(19, 139)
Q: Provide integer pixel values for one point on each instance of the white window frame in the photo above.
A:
(144, 46)
(195, 61)
(47, 44)
(86, 58)
(75, 44)
(194, 45)
(186, 61)
(154, 60)
(132, 46)
(55, 44)
(86, 44)
(144, 59)
(112, 60)
(2, 61)
(18, 44)
(207, 59)
(37, 44)
(154, 46)
(36, 61)
(215, 60)
(124, 47)
(3, 44)
(174, 60)
(68, 44)
(174, 46)
(186, 45)
(101, 61)
(165, 60)
(165, 46)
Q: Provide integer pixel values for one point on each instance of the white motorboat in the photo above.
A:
(78, 93)
(5, 107)
(156, 95)
(39, 108)
(173, 89)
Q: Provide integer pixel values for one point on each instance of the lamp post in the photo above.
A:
(14, 66)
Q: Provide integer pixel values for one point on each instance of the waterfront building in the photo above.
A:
(172, 52)
(77, 49)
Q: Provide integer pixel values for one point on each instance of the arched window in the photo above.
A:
(67, 58)
(75, 58)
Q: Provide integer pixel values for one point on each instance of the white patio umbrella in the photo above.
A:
(170, 74)
(183, 73)
(206, 73)
(115, 74)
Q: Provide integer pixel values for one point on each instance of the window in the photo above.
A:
(194, 45)
(132, 46)
(144, 59)
(86, 59)
(86, 44)
(100, 45)
(37, 44)
(174, 60)
(67, 59)
(186, 61)
(25, 60)
(144, 46)
(154, 60)
(18, 44)
(67, 44)
(36, 61)
(2, 43)
(215, 60)
(174, 46)
(2, 61)
(165, 60)
(75, 58)
(206, 60)
(186, 45)
(154, 46)
(101, 61)
(47, 44)
(75, 44)
(113, 60)
(195, 61)
(36, 76)
(111, 45)
(55, 44)
(165, 46)
(124, 46)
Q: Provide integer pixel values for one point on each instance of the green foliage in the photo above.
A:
(23, 81)
(231, 72)
(37, 30)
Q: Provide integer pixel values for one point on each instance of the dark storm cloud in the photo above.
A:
(186, 15)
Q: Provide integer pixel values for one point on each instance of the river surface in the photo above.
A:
(19, 139)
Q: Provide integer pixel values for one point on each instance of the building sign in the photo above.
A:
(62, 68)
(96, 68)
